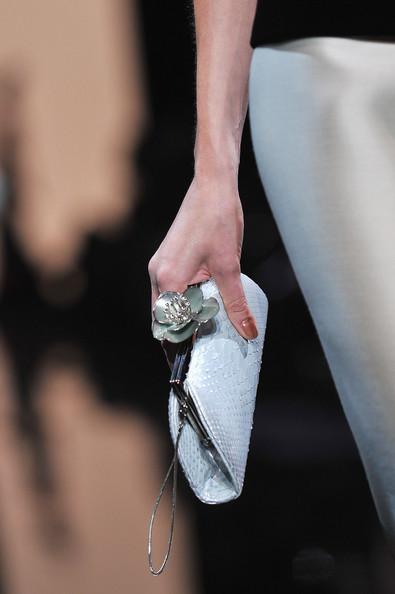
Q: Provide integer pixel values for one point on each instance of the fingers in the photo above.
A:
(154, 292)
(235, 302)
(163, 279)
(230, 287)
(167, 280)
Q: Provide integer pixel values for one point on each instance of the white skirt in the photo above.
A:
(322, 115)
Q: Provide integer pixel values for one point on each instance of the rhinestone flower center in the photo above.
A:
(178, 310)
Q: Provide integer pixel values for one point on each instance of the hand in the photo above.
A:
(205, 240)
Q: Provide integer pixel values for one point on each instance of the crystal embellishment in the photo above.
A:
(178, 309)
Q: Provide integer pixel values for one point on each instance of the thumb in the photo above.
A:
(235, 302)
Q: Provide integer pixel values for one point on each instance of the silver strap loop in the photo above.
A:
(174, 466)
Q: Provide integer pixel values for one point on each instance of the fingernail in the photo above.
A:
(250, 330)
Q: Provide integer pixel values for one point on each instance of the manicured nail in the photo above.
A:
(250, 330)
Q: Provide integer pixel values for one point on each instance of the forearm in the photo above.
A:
(223, 56)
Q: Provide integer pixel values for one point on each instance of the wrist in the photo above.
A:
(206, 169)
(218, 183)
(216, 156)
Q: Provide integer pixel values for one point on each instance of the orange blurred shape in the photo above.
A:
(76, 116)
(106, 467)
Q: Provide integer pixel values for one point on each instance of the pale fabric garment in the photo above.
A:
(322, 114)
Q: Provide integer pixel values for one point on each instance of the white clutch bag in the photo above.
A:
(214, 383)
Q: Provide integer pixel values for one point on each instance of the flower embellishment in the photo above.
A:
(178, 315)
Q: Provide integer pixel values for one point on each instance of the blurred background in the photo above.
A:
(96, 154)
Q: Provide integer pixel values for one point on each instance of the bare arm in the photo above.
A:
(223, 29)
(206, 237)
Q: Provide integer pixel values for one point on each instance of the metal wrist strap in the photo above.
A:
(173, 466)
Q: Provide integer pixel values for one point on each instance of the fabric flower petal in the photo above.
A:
(159, 330)
(195, 297)
(180, 335)
(209, 309)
